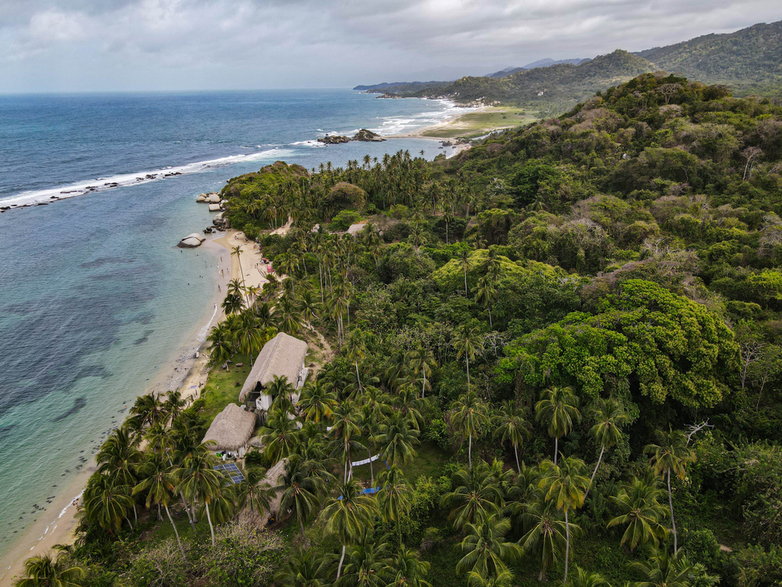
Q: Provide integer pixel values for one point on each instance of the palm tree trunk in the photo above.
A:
(673, 520)
(358, 377)
(176, 532)
(491, 324)
(567, 546)
(465, 281)
(467, 358)
(556, 448)
(592, 478)
(341, 560)
(129, 522)
(211, 528)
(135, 514)
(423, 385)
(469, 451)
(371, 467)
(516, 452)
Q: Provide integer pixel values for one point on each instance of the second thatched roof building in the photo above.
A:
(231, 430)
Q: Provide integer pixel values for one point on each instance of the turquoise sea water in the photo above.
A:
(94, 297)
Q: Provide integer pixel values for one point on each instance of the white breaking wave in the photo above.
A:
(80, 188)
(395, 125)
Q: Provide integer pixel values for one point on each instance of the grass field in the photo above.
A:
(476, 124)
(222, 387)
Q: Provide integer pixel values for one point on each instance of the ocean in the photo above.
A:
(95, 299)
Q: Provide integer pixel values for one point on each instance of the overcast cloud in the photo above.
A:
(73, 45)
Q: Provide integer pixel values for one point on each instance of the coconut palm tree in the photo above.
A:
(664, 570)
(316, 402)
(146, 410)
(477, 495)
(487, 552)
(558, 410)
(119, 458)
(671, 456)
(487, 294)
(368, 565)
(464, 261)
(158, 482)
(237, 252)
(586, 579)
(345, 428)
(301, 488)
(609, 416)
(198, 481)
(469, 414)
(546, 533)
(411, 571)
(641, 513)
(280, 435)
(468, 344)
(564, 487)
(173, 405)
(107, 502)
(304, 568)
(44, 571)
(395, 500)
(511, 427)
(397, 439)
(421, 361)
(222, 343)
(348, 516)
(281, 392)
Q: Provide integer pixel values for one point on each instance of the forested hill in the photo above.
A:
(564, 344)
(749, 61)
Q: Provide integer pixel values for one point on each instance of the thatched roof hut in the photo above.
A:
(231, 429)
(282, 356)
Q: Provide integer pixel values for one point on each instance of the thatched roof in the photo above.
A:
(231, 428)
(272, 478)
(282, 356)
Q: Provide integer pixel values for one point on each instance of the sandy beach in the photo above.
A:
(186, 371)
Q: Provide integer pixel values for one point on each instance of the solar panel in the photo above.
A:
(231, 471)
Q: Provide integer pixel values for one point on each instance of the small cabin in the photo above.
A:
(231, 430)
(283, 356)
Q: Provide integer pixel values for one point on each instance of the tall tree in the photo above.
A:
(198, 481)
(641, 512)
(301, 488)
(348, 516)
(397, 439)
(158, 482)
(558, 410)
(469, 414)
(609, 416)
(487, 553)
(546, 533)
(511, 427)
(395, 499)
(670, 456)
(44, 571)
(564, 487)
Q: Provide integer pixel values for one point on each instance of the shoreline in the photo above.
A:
(183, 371)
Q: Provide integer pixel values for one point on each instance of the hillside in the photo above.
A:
(749, 61)
(564, 345)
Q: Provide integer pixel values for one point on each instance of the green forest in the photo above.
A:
(565, 344)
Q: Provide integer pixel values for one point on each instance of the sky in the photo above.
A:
(162, 45)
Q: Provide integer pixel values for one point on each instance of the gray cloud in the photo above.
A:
(184, 44)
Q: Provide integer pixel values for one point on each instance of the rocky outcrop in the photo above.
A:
(215, 207)
(367, 135)
(191, 241)
(333, 139)
(364, 135)
(210, 198)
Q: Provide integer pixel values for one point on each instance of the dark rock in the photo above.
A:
(334, 139)
(367, 135)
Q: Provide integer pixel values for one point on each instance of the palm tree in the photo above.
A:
(464, 261)
(469, 414)
(280, 435)
(672, 455)
(477, 496)
(397, 438)
(222, 343)
(173, 404)
(281, 392)
(641, 512)
(316, 402)
(421, 361)
(410, 569)
(609, 416)
(395, 500)
(468, 344)
(558, 409)
(368, 565)
(487, 294)
(513, 428)
(304, 568)
(547, 532)
(565, 487)
(198, 481)
(237, 251)
(301, 486)
(344, 430)
(586, 579)
(664, 570)
(44, 571)
(158, 482)
(348, 516)
(107, 502)
(487, 552)
(145, 411)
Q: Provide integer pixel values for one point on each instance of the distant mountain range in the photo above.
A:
(749, 61)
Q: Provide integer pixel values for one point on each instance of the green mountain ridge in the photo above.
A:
(749, 61)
